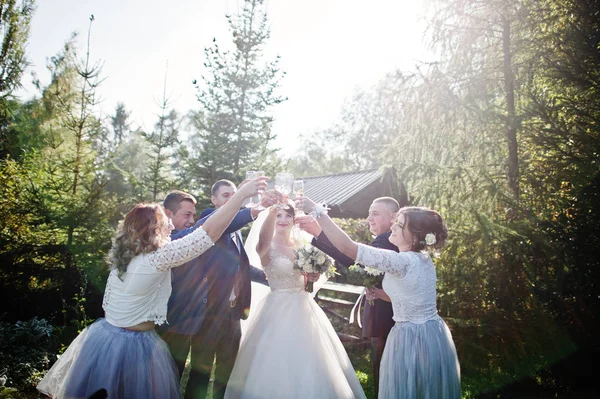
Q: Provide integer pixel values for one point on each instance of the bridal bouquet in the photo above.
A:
(311, 260)
(368, 276)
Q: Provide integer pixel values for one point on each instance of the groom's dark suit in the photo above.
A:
(200, 312)
(377, 317)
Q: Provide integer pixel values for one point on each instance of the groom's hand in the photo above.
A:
(249, 188)
(377, 293)
(309, 224)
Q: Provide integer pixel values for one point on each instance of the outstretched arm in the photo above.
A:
(336, 235)
(320, 240)
(266, 235)
(219, 220)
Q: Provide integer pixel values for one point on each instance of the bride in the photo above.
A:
(289, 349)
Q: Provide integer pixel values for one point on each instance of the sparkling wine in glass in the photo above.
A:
(298, 188)
(258, 173)
(252, 201)
(283, 184)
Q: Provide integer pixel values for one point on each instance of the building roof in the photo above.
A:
(350, 195)
(339, 188)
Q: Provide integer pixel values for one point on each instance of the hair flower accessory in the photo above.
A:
(430, 239)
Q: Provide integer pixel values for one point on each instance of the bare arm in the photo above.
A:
(219, 220)
(266, 235)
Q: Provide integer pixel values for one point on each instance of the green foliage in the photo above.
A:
(57, 232)
(500, 136)
(25, 352)
(15, 19)
(232, 130)
(160, 143)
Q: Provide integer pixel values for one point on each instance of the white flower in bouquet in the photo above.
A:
(355, 268)
(373, 272)
(321, 257)
(366, 276)
(312, 260)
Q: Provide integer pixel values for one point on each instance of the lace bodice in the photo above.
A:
(281, 273)
(142, 293)
(409, 280)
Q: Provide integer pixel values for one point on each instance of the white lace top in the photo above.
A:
(281, 273)
(143, 291)
(409, 280)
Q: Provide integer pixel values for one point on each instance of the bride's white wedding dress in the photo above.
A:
(290, 349)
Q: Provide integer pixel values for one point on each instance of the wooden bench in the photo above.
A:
(335, 306)
(323, 300)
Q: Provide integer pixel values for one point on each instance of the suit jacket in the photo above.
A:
(203, 286)
(377, 317)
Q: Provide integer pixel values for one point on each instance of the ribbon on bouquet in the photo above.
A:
(358, 304)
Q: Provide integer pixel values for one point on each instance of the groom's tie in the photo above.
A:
(234, 238)
(235, 292)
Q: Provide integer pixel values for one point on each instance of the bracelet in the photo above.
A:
(318, 211)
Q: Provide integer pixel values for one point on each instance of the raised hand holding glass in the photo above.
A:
(283, 184)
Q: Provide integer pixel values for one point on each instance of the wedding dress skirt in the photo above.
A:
(289, 348)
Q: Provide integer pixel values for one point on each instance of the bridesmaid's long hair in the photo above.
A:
(138, 233)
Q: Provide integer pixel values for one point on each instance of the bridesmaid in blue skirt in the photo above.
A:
(121, 352)
(419, 360)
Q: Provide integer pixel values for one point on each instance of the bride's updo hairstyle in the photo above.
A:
(422, 222)
(291, 210)
(296, 234)
(138, 233)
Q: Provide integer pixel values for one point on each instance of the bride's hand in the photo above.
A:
(304, 203)
(312, 277)
(270, 197)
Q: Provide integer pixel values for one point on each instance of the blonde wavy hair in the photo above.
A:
(138, 233)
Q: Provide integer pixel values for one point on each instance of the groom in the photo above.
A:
(210, 293)
(377, 316)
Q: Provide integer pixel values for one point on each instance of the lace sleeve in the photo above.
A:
(396, 263)
(176, 253)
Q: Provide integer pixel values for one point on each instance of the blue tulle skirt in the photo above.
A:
(420, 361)
(128, 364)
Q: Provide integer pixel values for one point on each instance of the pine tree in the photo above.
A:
(121, 126)
(68, 182)
(161, 142)
(15, 20)
(232, 129)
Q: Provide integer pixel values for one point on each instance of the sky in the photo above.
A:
(328, 49)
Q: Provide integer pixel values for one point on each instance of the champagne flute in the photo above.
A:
(259, 173)
(252, 201)
(298, 188)
(283, 184)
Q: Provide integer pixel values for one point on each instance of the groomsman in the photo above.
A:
(378, 314)
(210, 293)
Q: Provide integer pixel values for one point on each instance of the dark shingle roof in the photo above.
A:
(339, 188)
